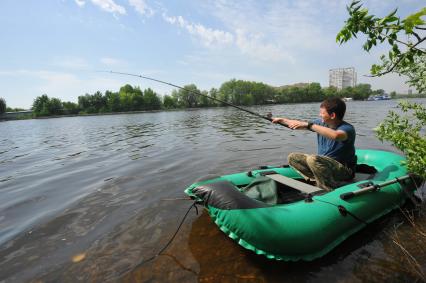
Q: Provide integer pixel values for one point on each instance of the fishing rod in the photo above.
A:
(197, 93)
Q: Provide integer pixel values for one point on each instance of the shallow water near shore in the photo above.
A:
(90, 198)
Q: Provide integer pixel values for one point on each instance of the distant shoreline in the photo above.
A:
(26, 117)
(3, 117)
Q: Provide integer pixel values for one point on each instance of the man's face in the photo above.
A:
(326, 118)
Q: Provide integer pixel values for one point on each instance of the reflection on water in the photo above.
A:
(96, 187)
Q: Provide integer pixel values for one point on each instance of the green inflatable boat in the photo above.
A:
(273, 213)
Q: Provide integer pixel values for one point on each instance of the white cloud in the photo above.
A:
(80, 3)
(207, 36)
(262, 33)
(141, 7)
(288, 26)
(110, 6)
(254, 45)
(106, 5)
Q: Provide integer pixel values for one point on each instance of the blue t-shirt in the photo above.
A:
(342, 151)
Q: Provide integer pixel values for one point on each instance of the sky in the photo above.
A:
(57, 47)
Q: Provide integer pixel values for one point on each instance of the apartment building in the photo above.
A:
(342, 77)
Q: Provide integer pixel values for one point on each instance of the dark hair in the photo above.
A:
(334, 105)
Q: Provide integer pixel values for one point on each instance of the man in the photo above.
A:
(336, 159)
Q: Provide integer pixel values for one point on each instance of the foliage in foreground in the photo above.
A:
(407, 133)
(405, 57)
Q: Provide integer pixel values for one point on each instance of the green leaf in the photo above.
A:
(414, 20)
(354, 3)
(392, 13)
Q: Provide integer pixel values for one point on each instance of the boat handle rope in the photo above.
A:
(343, 211)
(267, 117)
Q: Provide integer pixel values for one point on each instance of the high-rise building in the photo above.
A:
(342, 77)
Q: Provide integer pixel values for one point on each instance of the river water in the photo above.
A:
(90, 198)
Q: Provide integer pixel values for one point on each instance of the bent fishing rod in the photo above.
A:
(197, 93)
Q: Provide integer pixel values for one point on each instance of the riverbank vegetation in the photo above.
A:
(237, 92)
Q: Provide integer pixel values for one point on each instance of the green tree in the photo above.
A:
(187, 97)
(241, 92)
(2, 106)
(70, 108)
(54, 106)
(262, 93)
(138, 102)
(126, 97)
(98, 102)
(406, 56)
(40, 105)
(223, 96)
(405, 131)
(247, 99)
(152, 101)
(346, 92)
(85, 104)
(362, 91)
(315, 92)
(113, 101)
(282, 95)
(295, 94)
(379, 92)
(231, 91)
(45, 106)
(214, 93)
(330, 91)
(169, 102)
(203, 100)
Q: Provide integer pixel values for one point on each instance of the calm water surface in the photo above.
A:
(105, 187)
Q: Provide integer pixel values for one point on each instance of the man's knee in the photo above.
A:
(296, 158)
(291, 157)
(312, 160)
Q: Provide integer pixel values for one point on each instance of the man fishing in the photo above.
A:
(336, 159)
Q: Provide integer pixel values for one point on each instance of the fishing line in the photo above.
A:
(197, 93)
(194, 204)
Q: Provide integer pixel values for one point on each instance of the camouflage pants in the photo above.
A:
(327, 172)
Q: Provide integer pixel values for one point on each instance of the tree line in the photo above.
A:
(237, 92)
(128, 98)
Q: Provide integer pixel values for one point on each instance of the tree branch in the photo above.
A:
(408, 45)
(398, 29)
(399, 59)
(388, 70)
(417, 36)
